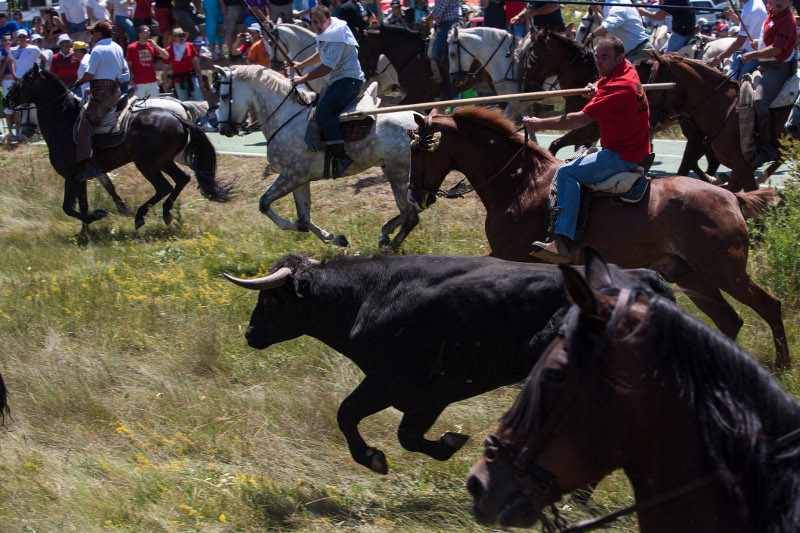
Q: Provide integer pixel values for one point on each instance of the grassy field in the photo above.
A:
(138, 406)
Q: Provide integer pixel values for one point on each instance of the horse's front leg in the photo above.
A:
(108, 185)
(77, 192)
(302, 201)
(397, 174)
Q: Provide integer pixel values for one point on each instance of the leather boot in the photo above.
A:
(340, 160)
(765, 152)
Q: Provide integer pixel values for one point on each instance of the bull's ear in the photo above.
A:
(597, 273)
(578, 290)
(420, 120)
(302, 285)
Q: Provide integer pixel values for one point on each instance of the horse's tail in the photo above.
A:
(201, 157)
(755, 203)
(4, 410)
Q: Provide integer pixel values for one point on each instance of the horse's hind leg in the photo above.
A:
(181, 178)
(408, 217)
(411, 434)
(160, 184)
(302, 201)
(709, 300)
(768, 307)
(107, 184)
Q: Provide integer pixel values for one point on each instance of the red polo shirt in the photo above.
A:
(620, 107)
(780, 30)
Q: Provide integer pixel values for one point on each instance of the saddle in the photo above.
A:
(747, 114)
(113, 126)
(353, 129)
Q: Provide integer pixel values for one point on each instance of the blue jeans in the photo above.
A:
(440, 40)
(77, 27)
(126, 23)
(747, 68)
(676, 42)
(592, 168)
(191, 92)
(518, 30)
(338, 95)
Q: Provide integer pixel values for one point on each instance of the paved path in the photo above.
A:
(668, 153)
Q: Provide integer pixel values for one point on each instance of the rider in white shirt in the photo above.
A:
(624, 22)
(753, 14)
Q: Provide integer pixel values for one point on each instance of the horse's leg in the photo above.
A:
(181, 178)
(709, 300)
(107, 184)
(692, 153)
(160, 184)
(302, 201)
(766, 305)
(584, 136)
(770, 170)
(280, 188)
(77, 192)
(742, 178)
(411, 434)
(397, 174)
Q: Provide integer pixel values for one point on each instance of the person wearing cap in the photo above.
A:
(396, 18)
(82, 54)
(65, 63)
(337, 50)
(141, 63)
(25, 54)
(184, 18)
(753, 15)
(8, 27)
(38, 41)
(186, 72)
(106, 69)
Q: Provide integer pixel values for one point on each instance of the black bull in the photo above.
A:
(426, 331)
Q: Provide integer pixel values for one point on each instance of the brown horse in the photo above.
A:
(706, 436)
(692, 233)
(709, 99)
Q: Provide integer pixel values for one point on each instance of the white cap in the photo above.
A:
(254, 27)
(64, 38)
(22, 31)
(36, 37)
(701, 20)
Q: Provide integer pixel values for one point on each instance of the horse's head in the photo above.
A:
(232, 109)
(656, 69)
(25, 90)
(570, 425)
(537, 63)
(463, 63)
(429, 163)
(370, 51)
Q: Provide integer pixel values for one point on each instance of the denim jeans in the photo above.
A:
(592, 168)
(338, 95)
(191, 92)
(676, 42)
(747, 68)
(518, 30)
(77, 27)
(440, 40)
(126, 23)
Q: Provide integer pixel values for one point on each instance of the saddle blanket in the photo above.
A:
(353, 129)
(788, 92)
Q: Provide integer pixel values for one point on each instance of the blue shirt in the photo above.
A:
(4, 54)
(10, 27)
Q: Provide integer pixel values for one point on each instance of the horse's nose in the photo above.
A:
(413, 201)
(475, 487)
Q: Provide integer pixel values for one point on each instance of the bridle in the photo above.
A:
(469, 73)
(276, 36)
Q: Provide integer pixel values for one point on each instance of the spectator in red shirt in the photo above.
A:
(186, 73)
(141, 57)
(65, 64)
(777, 63)
(619, 105)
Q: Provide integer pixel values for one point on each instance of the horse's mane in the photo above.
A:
(67, 103)
(523, 47)
(492, 35)
(714, 75)
(270, 79)
(401, 31)
(494, 119)
(740, 409)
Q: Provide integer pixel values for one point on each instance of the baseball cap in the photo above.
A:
(254, 27)
(22, 31)
(64, 37)
(79, 45)
(36, 37)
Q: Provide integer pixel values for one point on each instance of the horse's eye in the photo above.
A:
(555, 376)
(490, 453)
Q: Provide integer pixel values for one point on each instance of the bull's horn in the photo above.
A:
(277, 279)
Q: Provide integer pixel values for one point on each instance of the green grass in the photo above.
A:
(137, 405)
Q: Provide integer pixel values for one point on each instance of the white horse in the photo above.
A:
(282, 111)
(494, 50)
(300, 44)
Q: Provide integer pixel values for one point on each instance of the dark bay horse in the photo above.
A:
(707, 438)
(692, 233)
(406, 51)
(709, 99)
(4, 411)
(154, 139)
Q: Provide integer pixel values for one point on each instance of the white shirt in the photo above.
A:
(48, 58)
(122, 8)
(74, 10)
(753, 14)
(107, 61)
(25, 58)
(84, 64)
(97, 9)
(624, 22)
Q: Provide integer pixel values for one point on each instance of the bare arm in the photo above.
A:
(767, 53)
(735, 45)
(655, 15)
(162, 53)
(570, 121)
(319, 72)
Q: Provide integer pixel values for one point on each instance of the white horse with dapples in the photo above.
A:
(282, 112)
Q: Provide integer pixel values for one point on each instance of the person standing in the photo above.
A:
(186, 72)
(162, 11)
(183, 17)
(74, 15)
(7, 27)
(8, 78)
(494, 15)
(619, 105)
(337, 50)
(778, 63)
(25, 54)
(38, 41)
(624, 22)
(259, 52)
(683, 21)
(447, 13)
(65, 64)
(353, 13)
(53, 27)
(143, 13)
(106, 67)
(141, 63)
(232, 16)
(396, 18)
(82, 54)
(544, 15)
(753, 15)
(122, 18)
(214, 18)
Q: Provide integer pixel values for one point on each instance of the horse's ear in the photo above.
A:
(420, 120)
(597, 273)
(36, 69)
(578, 290)
(219, 70)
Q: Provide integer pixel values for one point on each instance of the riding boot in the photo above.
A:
(84, 151)
(340, 160)
(766, 152)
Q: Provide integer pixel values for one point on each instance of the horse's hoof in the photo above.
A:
(454, 440)
(377, 461)
(139, 222)
(100, 213)
(384, 240)
(341, 240)
(167, 218)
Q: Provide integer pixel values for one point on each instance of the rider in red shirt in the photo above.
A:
(619, 105)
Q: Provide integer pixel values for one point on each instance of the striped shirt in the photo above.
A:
(342, 58)
(446, 10)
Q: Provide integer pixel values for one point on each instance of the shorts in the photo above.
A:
(232, 18)
(6, 86)
(146, 90)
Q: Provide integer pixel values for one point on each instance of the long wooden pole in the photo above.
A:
(581, 3)
(519, 97)
(735, 12)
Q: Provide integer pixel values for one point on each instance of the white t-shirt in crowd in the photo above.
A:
(25, 58)
(84, 64)
(97, 8)
(74, 10)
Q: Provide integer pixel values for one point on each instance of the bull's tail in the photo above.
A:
(755, 203)
(4, 410)
(201, 157)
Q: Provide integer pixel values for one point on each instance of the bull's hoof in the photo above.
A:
(341, 240)
(454, 440)
(100, 213)
(377, 461)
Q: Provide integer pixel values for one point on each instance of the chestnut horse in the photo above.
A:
(709, 99)
(692, 233)
(707, 438)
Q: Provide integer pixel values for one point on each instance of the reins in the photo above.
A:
(483, 66)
